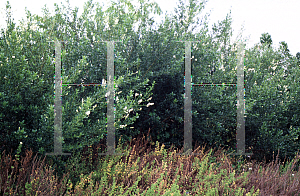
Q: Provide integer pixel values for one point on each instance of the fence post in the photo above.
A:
(240, 135)
(58, 103)
(187, 100)
(240, 132)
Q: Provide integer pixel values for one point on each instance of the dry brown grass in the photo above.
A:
(143, 170)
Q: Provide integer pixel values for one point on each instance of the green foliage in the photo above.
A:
(23, 88)
(144, 57)
(272, 121)
(29, 104)
(161, 55)
(266, 39)
(298, 58)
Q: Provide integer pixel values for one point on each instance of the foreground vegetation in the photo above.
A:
(147, 171)
(27, 59)
(154, 96)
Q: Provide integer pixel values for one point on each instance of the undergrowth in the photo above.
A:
(141, 170)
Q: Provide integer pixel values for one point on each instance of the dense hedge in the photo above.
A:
(154, 59)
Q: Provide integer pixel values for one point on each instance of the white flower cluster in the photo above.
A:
(128, 111)
(122, 126)
(103, 82)
(150, 104)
